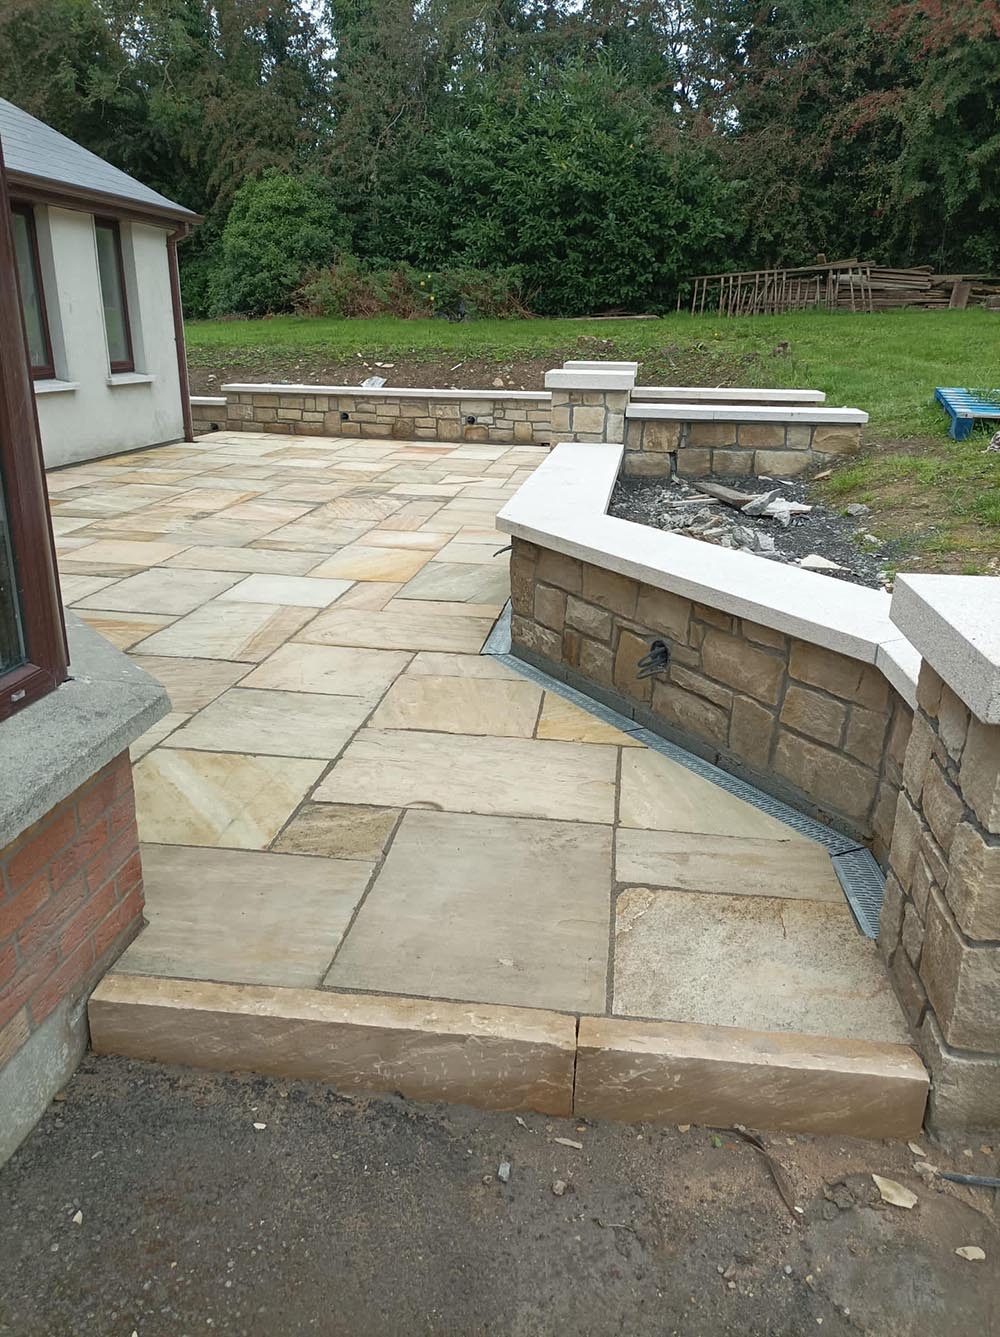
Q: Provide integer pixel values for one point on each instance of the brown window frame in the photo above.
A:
(44, 371)
(113, 225)
(36, 584)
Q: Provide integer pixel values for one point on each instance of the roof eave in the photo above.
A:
(49, 191)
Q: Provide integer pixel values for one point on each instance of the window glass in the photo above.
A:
(31, 293)
(113, 292)
(11, 636)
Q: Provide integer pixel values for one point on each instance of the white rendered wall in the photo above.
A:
(97, 417)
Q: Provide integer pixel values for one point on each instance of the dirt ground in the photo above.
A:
(150, 1202)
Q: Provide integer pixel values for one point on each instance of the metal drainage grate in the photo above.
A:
(864, 886)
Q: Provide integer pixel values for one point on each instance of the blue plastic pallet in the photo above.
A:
(964, 407)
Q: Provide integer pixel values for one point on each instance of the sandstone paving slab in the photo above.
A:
(274, 723)
(248, 559)
(661, 795)
(486, 909)
(222, 630)
(147, 741)
(296, 591)
(476, 554)
(339, 670)
(79, 587)
(162, 590)
(398, 630)
(460, 773)
(729, 865)
(125, 629)
(339, 831)
(439, 663)
(562, 719)
(228, 799)
(460, 705)
(242, 916)
(361, 561)
(752, 961)
(191, 683)
(459, 581)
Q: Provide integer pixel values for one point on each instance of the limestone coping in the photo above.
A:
(954, 622)
(727, 394)
(583, 365)
(693, 412)
(214, 401)
(570, 378)
(52, 747)
(563, 506)
(387, 392)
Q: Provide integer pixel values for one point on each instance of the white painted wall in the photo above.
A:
(103, 415)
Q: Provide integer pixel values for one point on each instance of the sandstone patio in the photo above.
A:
(348, 796)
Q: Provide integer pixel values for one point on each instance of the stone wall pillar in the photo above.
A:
(589, 400)
(940, 926)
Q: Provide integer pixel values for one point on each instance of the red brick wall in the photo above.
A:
(70, 900)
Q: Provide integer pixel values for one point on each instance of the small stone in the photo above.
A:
(917, 1150)
(730, 1285)
(78, 1218)
(497, 382)
(857, 509)
(683, 1128)
(559, 1187)
(503, 1172)
(894, 1194)
(260, 1127)
(788, 1269)
(816, 562)
(972, 1253)
(925, 1169)
(569, 1142)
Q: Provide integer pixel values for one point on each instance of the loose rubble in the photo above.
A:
(768, 517)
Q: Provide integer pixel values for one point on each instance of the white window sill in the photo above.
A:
(130, 378)
(55, 387)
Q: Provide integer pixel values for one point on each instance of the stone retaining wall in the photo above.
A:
(429, 416)
(658, 447)
(815, 727)
(940, 925)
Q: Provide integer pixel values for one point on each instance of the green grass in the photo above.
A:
(886, 364)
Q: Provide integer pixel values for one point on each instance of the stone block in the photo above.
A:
(761, 435)
(597, 662)
(782, 463)
(865, 737)
(838, 674)
(833, 781)
(691, 713)
(750, 670)
(715, 617)
(965, 1088)
(909, 989)
(953, 723)
(554, 568)
(660, 437)
(912, 936)
(921, 884)
(760, 635)
(919, 751)
(610, 590)
(936, 861)
(640, 464)
(702, 686)
(732, 463)
(906, 836)
(550, 606)
(648, 1071)
(751, 729)
(631, 648)
(589, 619)
(532, 636)
(883, 818)
(814, 714)
(979, 777)
(842, 439)
(929, 687)
(524, 431)
(973, 886)
(890, 922)
(798, 437)
(588, 420)
(710, 434)
(665, 614)
(899, 733)
(571, 642)
(694, 463)
(560, 421)
(478, 1054)
(962, 981)
(942, 806)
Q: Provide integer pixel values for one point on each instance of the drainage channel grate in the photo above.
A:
(857, 870)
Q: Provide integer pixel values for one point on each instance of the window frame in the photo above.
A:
(118, 366)
(35, 581)
(44, 371)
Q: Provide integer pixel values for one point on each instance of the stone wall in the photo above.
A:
(588, 416)
(657, 447)
(70, 901)
(426, 416)
(208, 413)
(940, 926)
(823, 731)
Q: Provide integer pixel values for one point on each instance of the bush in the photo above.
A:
(348, 288)
(279, 228)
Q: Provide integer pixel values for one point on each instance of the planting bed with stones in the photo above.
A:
(838, 540)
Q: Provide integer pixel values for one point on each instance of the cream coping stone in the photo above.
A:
(387, 392)
(570, 378)
(690, 412)
(214, 400)
(954, 621)
(725, 394)
(563, 506)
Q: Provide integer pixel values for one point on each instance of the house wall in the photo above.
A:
(87, 413)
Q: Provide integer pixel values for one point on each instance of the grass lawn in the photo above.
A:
(939, 498)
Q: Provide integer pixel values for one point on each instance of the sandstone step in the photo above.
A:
(513, 1058)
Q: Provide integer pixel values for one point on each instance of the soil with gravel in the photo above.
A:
(167, 1202)
(824, 531)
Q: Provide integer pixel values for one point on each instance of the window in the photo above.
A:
(32, 640)
(29, 276)
(109, 262)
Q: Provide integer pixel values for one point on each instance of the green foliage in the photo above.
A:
(278, 228)
(350, 289)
